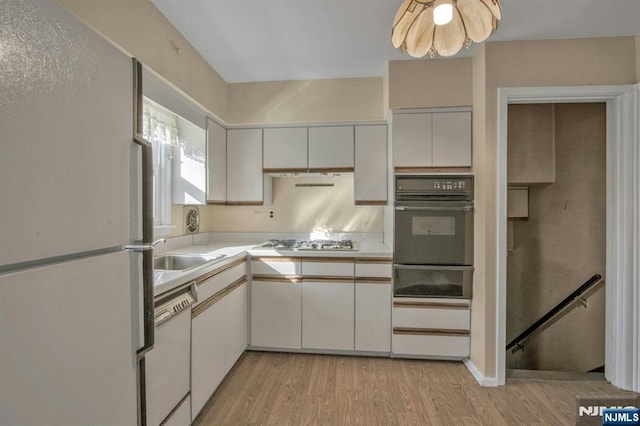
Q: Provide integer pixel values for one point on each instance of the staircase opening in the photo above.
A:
(556, 239)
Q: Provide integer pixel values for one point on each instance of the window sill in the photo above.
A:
(162, 231)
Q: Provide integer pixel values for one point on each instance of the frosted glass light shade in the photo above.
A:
(417, 31)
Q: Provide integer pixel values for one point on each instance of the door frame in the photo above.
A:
(622, 294)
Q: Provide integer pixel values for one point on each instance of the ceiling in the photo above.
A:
(264, 40)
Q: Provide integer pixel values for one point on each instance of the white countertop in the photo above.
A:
(167, 280)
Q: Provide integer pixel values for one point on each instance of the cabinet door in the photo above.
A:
(370, 174)
(244, 166)
(328, 315)
(216, 162)
(235, 306)
(208, 341)
(285, 149)
(276, 313)
(452, 139)
(373, 316)
(331, 148)
(182, 416)
(412, 143)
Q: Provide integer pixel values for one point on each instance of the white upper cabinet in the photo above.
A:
(412, 140)
(217, 162)
(431, 140)
(451, 139)
(244, 166)
(370, 174)
(285, 149)
(331, 148)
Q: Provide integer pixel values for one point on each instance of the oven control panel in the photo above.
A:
(421, 186)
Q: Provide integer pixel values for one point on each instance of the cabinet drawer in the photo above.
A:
(275, 266)
(374, 268)
(431, 345)
(328, 267)
(221, 278)
(438, 318)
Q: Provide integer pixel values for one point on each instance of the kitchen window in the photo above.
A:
(174, 125)
(160, 127)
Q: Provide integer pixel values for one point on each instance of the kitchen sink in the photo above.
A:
(180, 262)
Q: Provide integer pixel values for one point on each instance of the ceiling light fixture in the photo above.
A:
(443, 27)
(442, 12)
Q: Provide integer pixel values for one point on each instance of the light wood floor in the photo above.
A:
(298, 389)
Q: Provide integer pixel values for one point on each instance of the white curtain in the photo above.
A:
(160, 127)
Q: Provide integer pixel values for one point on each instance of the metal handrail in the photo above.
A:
(555, 310)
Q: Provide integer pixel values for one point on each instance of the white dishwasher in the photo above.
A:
(168, 364)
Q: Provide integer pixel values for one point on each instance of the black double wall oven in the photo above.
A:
(433, 239)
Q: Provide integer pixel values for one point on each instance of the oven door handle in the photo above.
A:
(434, 267)
(436, 209)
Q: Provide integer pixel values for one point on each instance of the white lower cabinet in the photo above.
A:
(433, 328)
(207, 355)
(276, 312)
(235, 305)
(373, 316)
(328, 314)
(321, 303)
(431, 345)
(182, 416)
(218, 338)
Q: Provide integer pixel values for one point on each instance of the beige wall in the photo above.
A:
(519, 64)
(306, 209)
(430, 83)
(306, 101)
(561, 244)
(385, 91)
(638, 59)
(139, 28)
(478, 301)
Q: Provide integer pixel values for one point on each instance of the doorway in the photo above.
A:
(556, 204)
(622, 310)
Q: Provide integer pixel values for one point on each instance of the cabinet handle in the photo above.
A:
(435, 209)
(433, 267)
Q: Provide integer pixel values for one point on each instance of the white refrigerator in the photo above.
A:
(76, 305)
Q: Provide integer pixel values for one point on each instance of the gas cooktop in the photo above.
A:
(329, 245)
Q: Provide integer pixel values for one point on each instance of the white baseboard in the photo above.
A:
(480, 378)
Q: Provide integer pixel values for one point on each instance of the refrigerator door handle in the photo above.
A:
(146, 248)
(143, 247)
(147, 215)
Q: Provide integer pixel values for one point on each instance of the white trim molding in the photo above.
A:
(480, 378)
(622, 335)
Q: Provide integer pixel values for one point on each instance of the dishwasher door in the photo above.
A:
(168, 371)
